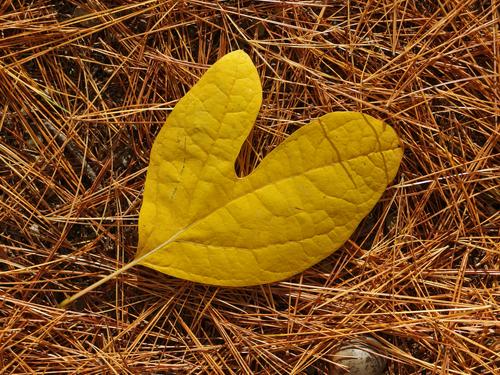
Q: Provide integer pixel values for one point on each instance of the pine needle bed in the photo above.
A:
(84, 89)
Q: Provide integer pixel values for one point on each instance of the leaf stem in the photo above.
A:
(82, 292)
(119, 271)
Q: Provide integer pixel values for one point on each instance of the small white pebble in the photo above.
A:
(357, 358)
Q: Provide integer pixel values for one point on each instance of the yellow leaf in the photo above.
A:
(200, 222)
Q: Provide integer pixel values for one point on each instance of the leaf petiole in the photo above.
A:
(119, 271)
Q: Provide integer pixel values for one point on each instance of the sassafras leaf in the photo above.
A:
(200, 222)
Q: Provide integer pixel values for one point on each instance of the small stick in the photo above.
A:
(71, 147)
